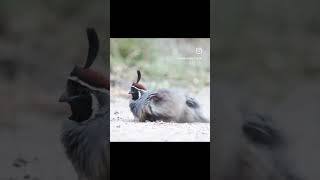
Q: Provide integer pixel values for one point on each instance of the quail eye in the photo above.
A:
(75, 89)
(83, 91)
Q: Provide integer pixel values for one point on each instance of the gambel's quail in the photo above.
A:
(85, 134)
(163, 104)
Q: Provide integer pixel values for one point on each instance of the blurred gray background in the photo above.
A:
(266, 59)
(273, 40)
(40, 42)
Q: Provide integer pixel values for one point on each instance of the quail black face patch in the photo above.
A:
(135, 93)
(80, 101)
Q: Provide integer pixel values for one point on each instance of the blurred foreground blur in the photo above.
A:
(266, 60)
(40, 43)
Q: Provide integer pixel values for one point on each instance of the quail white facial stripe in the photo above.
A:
(74, 78)
(94, 106)
(138, 89)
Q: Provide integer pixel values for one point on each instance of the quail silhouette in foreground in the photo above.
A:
(164, 104)
(85, 134)
(257, 150)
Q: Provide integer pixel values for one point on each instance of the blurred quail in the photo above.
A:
(163, 104)
(85, 134)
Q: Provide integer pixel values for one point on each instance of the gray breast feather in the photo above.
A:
(87, 147)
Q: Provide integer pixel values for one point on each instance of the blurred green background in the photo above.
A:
(163, 62)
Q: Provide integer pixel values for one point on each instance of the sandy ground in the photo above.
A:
(30, 128)
(125, 128)
(30, 149)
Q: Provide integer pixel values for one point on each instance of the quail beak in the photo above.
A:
(64, 97)
(129, 92)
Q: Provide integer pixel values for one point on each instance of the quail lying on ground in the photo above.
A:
(85, 134)
(163, 104)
